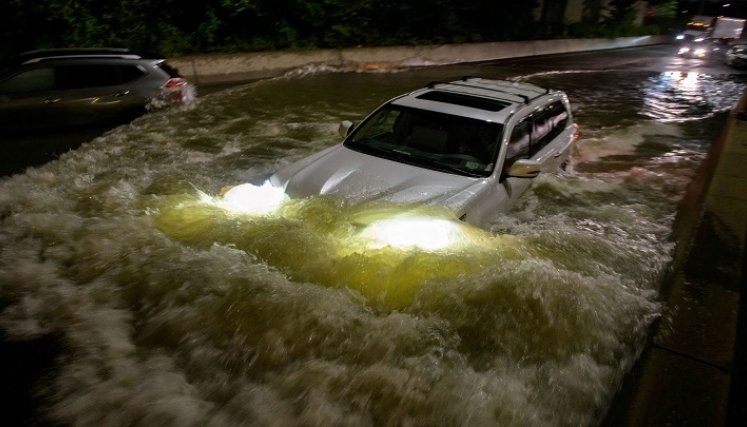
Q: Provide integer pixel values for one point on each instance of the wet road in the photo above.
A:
(151, 306)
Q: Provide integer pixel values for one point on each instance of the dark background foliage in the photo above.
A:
(172, 27)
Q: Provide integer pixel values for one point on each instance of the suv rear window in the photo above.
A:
(128, 73)
(171, 71)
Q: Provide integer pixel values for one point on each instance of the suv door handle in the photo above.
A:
(122, 93)
(51, 100)
(558, 154)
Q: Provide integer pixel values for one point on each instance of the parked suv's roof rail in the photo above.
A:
(526, 93)
(511, 97)
(47, 54)
(533, 91)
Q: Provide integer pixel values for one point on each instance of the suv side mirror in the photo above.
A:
(346, 126)
(524, 168)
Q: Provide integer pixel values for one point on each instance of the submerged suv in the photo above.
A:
(470, 145)
(69, 87)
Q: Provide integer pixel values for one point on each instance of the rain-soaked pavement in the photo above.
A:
(130, 297)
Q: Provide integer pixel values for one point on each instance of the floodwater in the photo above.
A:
(167, 309)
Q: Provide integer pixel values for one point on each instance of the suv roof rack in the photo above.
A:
(526, 94)
(47, 54)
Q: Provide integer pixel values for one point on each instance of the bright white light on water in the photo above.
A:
(251, 199)
(429, 234)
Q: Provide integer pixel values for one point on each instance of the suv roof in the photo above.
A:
(79, 53)
(493, 100)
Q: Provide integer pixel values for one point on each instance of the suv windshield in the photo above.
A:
(429, 139)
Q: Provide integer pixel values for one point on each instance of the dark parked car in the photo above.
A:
(76, 87)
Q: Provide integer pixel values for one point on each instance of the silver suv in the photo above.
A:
(74, 87)
(471, 145)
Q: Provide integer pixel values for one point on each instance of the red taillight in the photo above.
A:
(174, 83)
(174, 91)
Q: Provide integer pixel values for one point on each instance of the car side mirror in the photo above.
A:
(346, 126)
(524, 168)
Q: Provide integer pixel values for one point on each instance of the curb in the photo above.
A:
(691, 372)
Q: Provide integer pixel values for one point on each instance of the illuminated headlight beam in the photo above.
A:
(430, 234)
(250, 199)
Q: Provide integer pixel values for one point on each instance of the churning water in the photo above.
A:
(172, 311)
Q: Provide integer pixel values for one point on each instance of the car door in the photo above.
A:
(500, 191)
(95, 93)
(533, 137)
(519, 146)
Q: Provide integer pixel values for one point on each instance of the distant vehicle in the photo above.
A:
(470, 145)
(76, 87)
(700, 49)
(736, 55)
(698, 28)
(721, 28)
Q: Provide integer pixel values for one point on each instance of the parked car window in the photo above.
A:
(128, 73)
(29, 81)
(85, 76)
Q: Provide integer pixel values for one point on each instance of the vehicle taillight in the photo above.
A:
(174, 83)
(173, 91)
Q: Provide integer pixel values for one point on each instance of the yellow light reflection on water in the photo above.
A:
(429, 234)
(385, 253)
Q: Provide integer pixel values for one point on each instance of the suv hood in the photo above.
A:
(360, 177)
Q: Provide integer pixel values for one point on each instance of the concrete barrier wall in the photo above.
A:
(230, 68)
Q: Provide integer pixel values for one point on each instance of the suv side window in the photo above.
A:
(519, 143)
(29, 81)
(549, 122)
(534, 132)
(171, 71)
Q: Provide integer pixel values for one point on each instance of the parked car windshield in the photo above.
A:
(429, 139)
